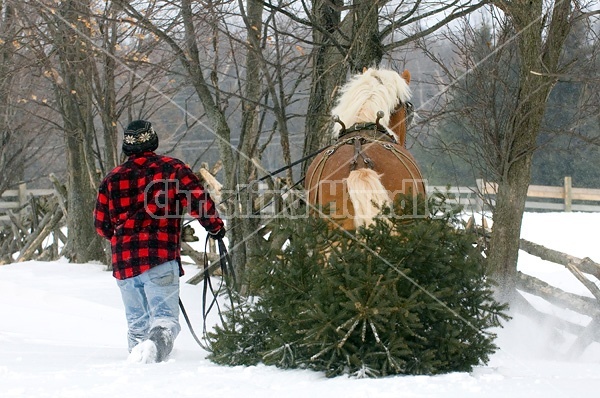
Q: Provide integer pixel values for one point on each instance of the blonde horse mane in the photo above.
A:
(367, 195)
(369, 92)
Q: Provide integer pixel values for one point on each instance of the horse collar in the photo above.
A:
(365, 127)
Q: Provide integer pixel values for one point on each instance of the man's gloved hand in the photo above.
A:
(218, 234)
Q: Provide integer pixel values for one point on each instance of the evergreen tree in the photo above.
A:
(405, 296)
(469, 132)
(571, 114)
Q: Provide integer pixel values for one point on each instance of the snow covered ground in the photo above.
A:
(62, 334)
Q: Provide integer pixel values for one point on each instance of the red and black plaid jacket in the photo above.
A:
(139, 209)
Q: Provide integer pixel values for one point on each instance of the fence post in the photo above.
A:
(568, 194)
(22, 194)
(480, 193)
(22, 200)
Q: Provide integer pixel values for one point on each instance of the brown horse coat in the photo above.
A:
(326, 183)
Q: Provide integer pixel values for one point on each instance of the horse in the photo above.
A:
(368, 165)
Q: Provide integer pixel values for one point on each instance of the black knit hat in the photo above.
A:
(139, 137)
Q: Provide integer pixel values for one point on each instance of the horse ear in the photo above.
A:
(406, 76)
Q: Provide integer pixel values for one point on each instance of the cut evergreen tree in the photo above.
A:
(404, 296)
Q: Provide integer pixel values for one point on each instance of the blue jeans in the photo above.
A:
(151, 299)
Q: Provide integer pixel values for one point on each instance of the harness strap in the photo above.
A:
(367, 127)
(228, 272)
(318, 171)
(271, 174)
(358, 152)
(357, 149)
(189, 323)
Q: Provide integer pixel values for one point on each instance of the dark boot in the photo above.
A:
(163, 339)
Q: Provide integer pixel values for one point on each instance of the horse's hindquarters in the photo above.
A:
(327, 178)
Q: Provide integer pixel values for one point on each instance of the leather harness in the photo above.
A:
(357, 135)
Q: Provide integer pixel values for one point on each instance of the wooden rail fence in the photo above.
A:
(475, 198)
(539, 197)
(17, 199)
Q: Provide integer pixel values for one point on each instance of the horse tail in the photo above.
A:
(367, 194)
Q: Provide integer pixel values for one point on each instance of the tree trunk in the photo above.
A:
(329, 71)
(514, 171)
(76, 108)
(107, 95)
(366, 47)
(12, 154)
(246, 224)
(339, 47)
(506, 231)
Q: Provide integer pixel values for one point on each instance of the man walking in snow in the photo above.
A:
(139, 209)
